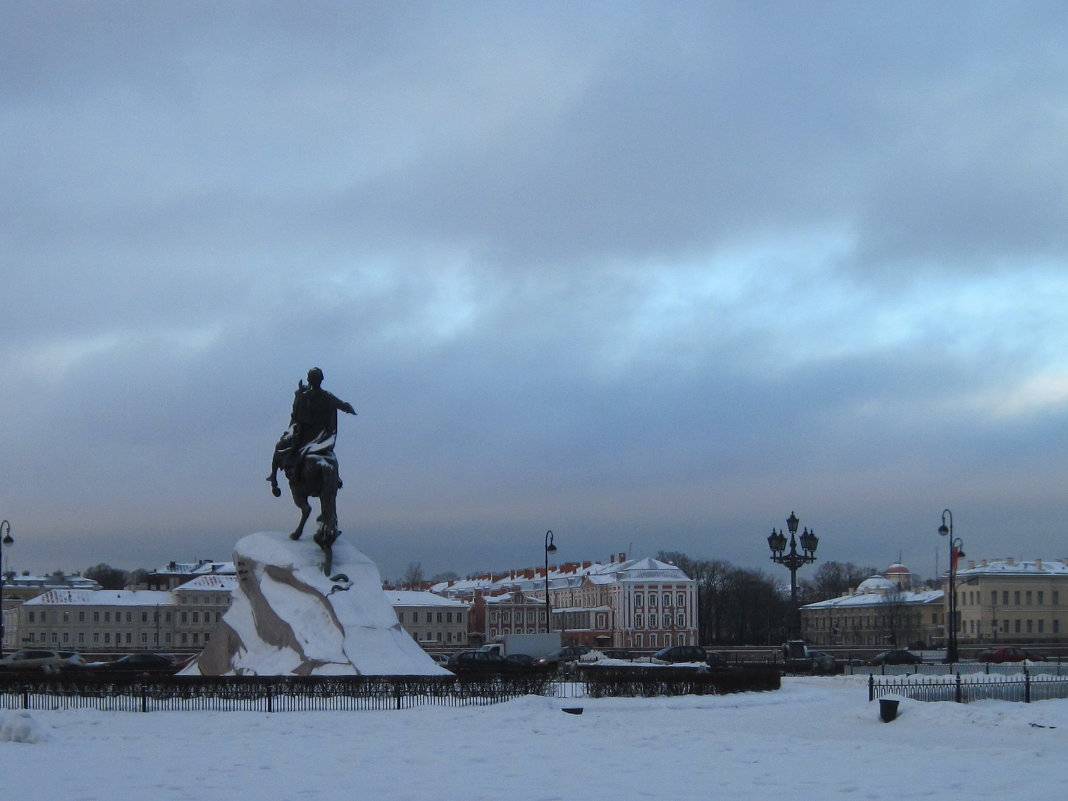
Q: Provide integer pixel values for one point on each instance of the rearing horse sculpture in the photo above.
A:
(305, 453)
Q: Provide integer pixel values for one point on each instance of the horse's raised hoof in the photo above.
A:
(295, 535)
(276, 491)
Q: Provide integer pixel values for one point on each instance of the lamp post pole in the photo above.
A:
(956, 550)
(793, 560)
(549, 548)
(5, 540)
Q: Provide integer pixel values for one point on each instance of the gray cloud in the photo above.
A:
(648, 276)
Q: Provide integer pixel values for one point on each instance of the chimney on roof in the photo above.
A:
(622, 557)
(1010, 560)
(612, 559)
(1038, 564)
(587, 565)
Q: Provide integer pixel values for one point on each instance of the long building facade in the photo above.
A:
(640, 604)
(1012, 601)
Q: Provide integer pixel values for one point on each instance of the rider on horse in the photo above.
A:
(312, 428)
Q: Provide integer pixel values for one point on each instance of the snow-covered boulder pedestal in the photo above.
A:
(289, 618)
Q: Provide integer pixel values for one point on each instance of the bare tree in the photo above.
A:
(413, 576)
(108, 577)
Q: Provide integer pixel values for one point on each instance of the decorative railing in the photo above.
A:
(311, 693)
(1023, 686)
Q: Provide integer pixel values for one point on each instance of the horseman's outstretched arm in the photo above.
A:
(345, 407)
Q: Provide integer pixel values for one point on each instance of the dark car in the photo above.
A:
(1009, 653)
(896, 657)
(481, 662)
(522, 660)
(569, 653)
(689, 653)
(618, 653)
(142, 663)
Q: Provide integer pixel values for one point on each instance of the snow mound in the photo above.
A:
(20, 727)
(289, 618)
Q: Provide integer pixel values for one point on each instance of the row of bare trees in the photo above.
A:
(742, 606)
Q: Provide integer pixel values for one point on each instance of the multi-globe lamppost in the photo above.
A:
(5, 540)
(956, 551)
(793, 560)
(549, 548)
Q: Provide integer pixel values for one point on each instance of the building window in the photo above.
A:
(1027, 595)
(652, 602)
(32, 618)
(81, 617)
(81, 638)
(1041, 598)
(1005, 598)
(681, 600)
(1016, 597)
(652, 641)
(637, 599)
(1041, 626)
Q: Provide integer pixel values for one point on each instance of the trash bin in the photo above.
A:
(888, 708)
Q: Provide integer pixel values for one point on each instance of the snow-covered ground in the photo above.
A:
(816, 738)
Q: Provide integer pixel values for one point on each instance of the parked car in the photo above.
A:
(481, 662)
(618, 653)
(142, 663)
(522, 660)
(689, 653)
(35, 659)
(569, 653)
(823, 662)
(896, 657)
(1010, 653)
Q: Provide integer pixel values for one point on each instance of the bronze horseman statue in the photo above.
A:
(305, 453)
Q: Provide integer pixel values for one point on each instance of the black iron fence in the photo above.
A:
(1024, 687)
(311, 693)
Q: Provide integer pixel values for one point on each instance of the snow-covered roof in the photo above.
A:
(876, 584)
(1012, 566)
(563, 577)
(199, 567)
(878, 598)
(416, 598)
(210, 582)
(57, 580)
(103, 598)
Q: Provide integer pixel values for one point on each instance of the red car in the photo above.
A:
(1008, 653)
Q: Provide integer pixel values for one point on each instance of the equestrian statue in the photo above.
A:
(305, 454)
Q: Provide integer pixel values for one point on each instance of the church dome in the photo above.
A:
(876, 584)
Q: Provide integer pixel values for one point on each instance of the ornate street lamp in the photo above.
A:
(793, 560)
(8, 540)
(956, 551)
(549, 548)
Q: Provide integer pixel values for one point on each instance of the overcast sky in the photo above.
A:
(650, 275)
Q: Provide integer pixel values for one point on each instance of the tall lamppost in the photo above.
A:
(8, 540)
(793, 560)
(956, 551)
(549, 548)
